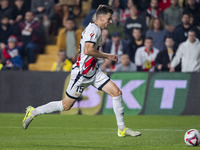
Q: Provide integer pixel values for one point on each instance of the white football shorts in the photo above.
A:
(78, 82)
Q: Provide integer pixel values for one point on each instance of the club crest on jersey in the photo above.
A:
(91, 34)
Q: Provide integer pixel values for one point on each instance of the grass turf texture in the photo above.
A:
(60, 132)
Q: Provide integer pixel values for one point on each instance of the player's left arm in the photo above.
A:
(91, 51)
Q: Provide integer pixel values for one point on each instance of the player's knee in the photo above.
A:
(118, 92)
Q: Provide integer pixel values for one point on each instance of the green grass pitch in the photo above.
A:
(80, 132)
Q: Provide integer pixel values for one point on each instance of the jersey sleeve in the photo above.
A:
(92, 36)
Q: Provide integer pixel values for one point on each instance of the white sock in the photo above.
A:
(48, 108)
(119, 112)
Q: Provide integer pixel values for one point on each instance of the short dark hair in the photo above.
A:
(103, 9)
(192, 30)
(185, 13)
(70, 19)
(169, 37)
(149, 38)
(139, 29)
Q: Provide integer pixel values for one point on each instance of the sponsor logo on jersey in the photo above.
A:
(91, 34)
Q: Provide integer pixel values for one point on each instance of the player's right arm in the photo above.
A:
(91, 51)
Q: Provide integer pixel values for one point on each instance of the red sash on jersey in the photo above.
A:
(91, 63)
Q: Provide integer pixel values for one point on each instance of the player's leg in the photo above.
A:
(65, 104)
(53, 106)
(116, 94)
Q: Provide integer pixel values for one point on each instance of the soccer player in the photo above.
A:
(85, 72)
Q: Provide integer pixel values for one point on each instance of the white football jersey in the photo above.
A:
(88, 64)
(147, 61)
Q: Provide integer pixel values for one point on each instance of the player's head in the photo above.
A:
(169, 42)
(125, 60)
(185, 18)
(137, 33)
(148, 43)
(154, 3)
(192, 36)
(12, 41)
(29, 16)
(104, 16)
(69, 24)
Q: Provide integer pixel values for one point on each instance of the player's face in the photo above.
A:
(125, 60)
(29, 16)
(137, 34)
(154, 3)
(61, 56)
(156, 24)
(69, 25)
(192, 36)
(173, 2)
(11, 45)
(169, 43)
(148, 44)
(106, 20)
(186, 19)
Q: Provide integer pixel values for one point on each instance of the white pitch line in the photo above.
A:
(156, 130)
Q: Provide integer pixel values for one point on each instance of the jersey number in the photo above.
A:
(80, 89)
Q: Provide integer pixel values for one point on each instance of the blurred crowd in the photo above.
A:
(147, 35)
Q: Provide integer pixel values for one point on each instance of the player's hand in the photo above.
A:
(113, 57)
(172, 69)
(160, 67)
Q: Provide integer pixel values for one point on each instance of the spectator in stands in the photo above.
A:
(142, 5)
(31, 36)
(125, 65)
(189, 54)
(11, 55)
(63, 64)
(18, 11)
(153, 11)
(163, 4)
(158, 33)
(105, 39)
(172, 15)
(116, 26)
(116, 46)
(165, 57)
(69, 39)
(95, 5)
(5, 9)
(134, 21)
(194, 8)
(145, 56)
(135, 42)
(116, 6)
(5, 29)
(44, 10)
(27, 4)
(180, 33)
(124, 14)
(69, 9)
